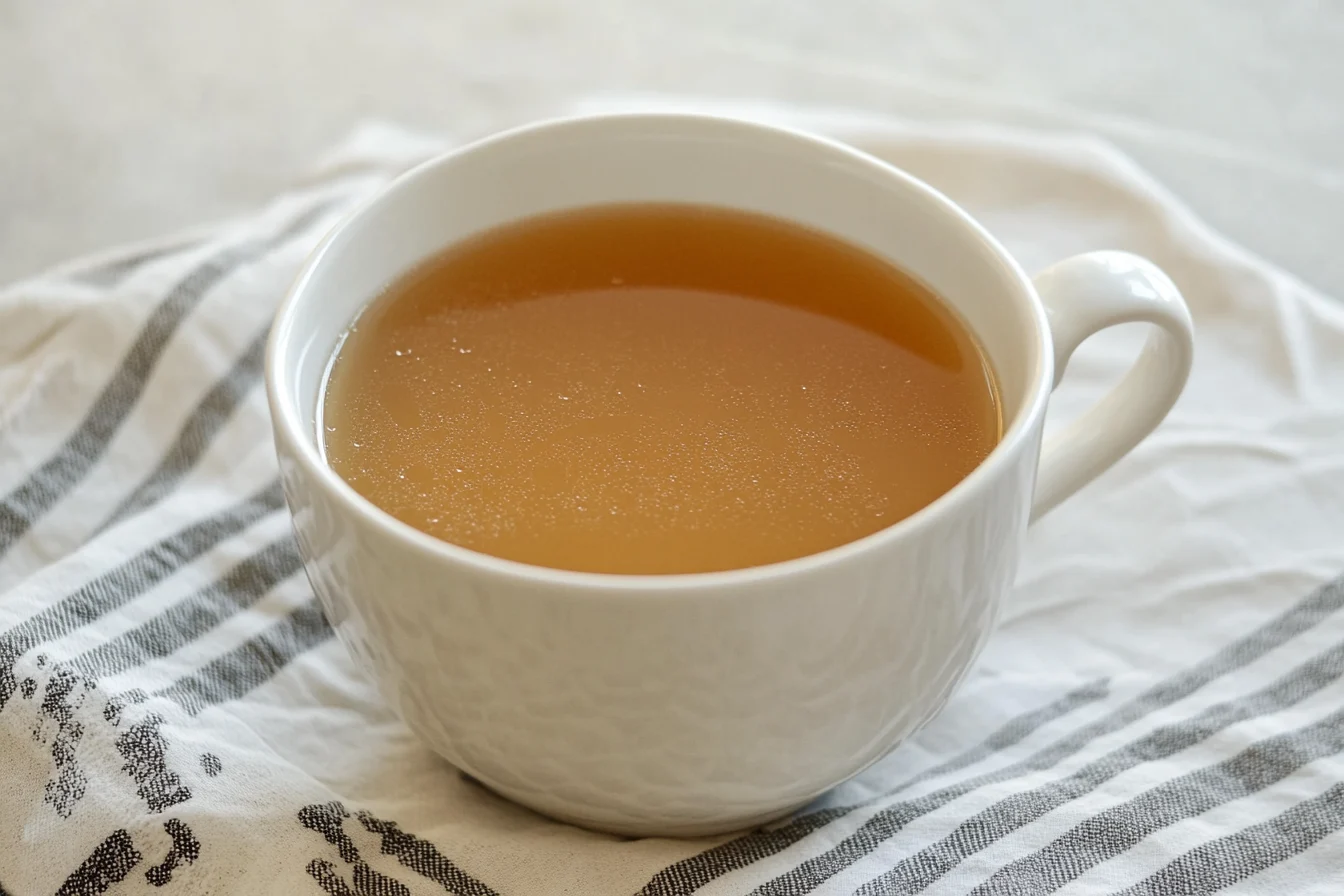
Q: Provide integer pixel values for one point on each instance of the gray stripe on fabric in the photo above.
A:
(252, 663)
(1116, 830)
(1306, 614)
(81, 451)
(109, 273)
(1222, 863)
(197, 432)
(193, 616)
(123, 583)
(917, 871)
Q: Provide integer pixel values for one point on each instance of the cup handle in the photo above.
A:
(1082, 296)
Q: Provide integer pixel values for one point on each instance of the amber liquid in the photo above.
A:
(656, 389)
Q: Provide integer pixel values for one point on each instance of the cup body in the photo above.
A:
(674, 705)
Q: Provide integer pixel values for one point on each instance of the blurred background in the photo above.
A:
(122, 119)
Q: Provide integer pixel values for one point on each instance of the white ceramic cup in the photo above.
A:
(693, 704)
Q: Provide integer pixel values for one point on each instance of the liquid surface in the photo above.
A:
(656, 389)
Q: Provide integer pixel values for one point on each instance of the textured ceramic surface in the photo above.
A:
(702, 703)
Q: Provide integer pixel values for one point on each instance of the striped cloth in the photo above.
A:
(1161, 712)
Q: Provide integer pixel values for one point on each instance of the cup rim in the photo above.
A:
(287, 420)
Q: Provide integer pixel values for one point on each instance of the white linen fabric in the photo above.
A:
(1161, 711)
